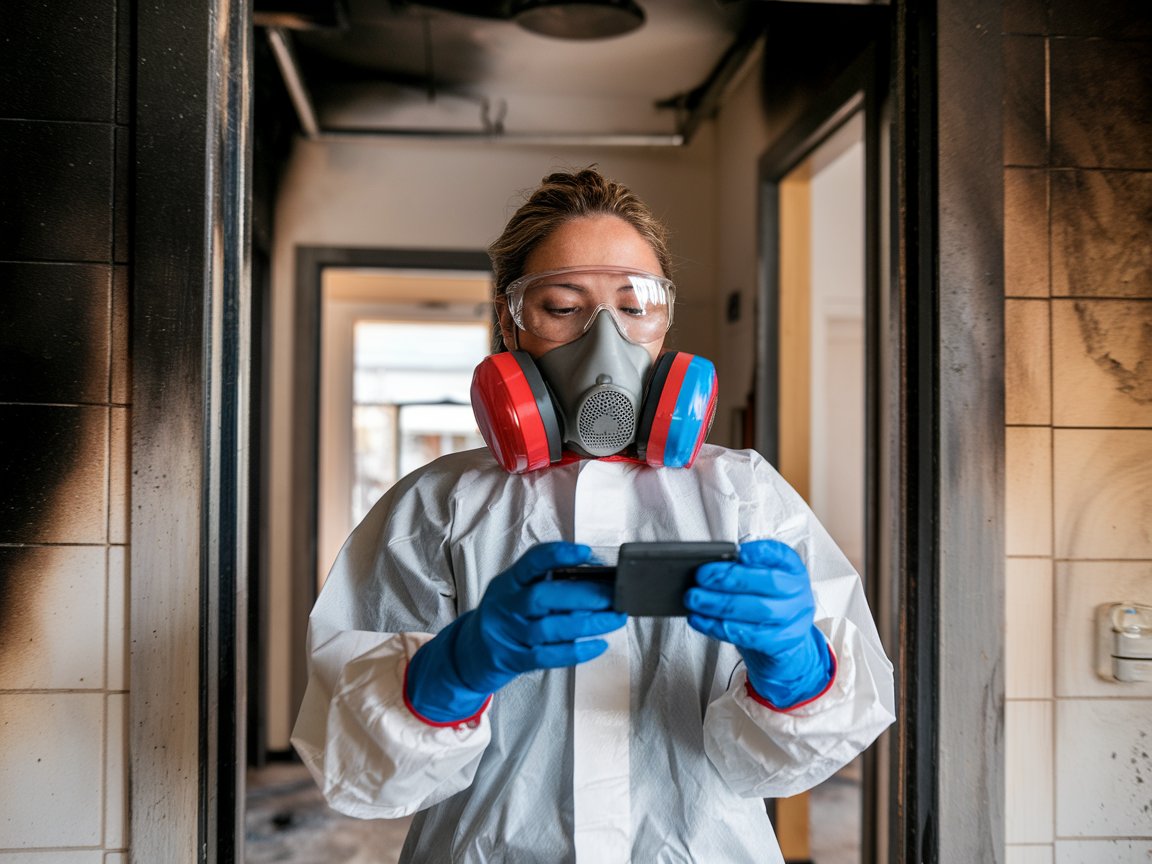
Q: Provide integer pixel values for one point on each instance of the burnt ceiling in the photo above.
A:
(445, 68)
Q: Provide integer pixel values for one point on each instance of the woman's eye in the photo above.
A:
(632, 310)
(561, 311)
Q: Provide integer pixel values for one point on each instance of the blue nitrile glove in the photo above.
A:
(763, 605)
(522, 623)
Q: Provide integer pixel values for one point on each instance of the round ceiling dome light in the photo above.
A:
(578, 19)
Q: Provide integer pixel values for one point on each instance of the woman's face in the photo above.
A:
(589, 241)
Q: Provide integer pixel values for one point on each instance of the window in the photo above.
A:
(410, 400)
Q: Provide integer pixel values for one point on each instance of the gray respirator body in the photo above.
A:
(597, 382)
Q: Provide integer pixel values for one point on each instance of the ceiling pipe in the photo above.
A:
(704, 101)
(582, 139)
(294, 81)
(700, 104)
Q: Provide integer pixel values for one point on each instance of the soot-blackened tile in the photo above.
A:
(119, 478)
(54, 332)
(1100, 233)
(54, 638)
(1123, 19)
(1027, 363)
(1101, 103)
(125, 67)
(1025, 232)
(121, 381)
(1025, 126)
(121, 202)
(57, 60)
(1025, 16)
(53, 461)
(55, 191)
(1102, 362)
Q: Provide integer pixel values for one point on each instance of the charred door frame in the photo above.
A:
(949, 280)
(191, 355)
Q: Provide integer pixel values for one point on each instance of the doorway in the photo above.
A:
(819, 399)
(397, 352)
(821, 408)
(386, 351)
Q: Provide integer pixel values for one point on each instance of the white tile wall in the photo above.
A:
(86, 856)
(59, 642)
(1103, 768)
(1103, 852)
(1087, 503)
(1102, 493)
(116, 773)
(117, 662)
(1082, 588)
(1028, 638)
(51, 769)
(1028, 771)
(1028, 494)
(1028, 855)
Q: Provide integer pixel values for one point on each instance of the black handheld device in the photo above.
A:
(651, 578)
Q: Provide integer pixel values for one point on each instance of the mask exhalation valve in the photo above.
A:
(606, 422)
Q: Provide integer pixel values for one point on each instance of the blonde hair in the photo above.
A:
(560, 198)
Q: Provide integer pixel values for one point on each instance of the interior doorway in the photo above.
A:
(398, 347)
(819, 397)
(393, 349)
(821, 406)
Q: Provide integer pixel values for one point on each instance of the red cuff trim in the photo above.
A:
(454, 724)
(756, 697)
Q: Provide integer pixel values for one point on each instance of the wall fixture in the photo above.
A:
(1125, 634)
(585, 19)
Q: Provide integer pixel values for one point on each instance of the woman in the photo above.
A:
(537, 724)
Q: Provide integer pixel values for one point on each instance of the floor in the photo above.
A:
(287, 822)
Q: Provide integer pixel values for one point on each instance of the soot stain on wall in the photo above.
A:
(18, 596)
(1134, 380)
(53, 460)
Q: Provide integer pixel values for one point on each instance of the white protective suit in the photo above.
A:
(653, 752)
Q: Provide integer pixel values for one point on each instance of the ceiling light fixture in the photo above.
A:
(578, 19)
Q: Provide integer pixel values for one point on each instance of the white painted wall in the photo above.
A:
(741, 138)
(836, 485)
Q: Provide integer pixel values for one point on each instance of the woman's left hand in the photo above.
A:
(763, 604)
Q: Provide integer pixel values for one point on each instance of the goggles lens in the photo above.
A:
(559, 305)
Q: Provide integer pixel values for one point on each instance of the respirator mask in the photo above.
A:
(598, 392)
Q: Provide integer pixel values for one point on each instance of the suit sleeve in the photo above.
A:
(765, 752)
(391, 589)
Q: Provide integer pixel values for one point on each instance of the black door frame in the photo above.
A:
(191, 355)
(948, 310)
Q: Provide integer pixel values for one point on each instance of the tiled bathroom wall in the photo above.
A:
(64, 437)
(1078, 278)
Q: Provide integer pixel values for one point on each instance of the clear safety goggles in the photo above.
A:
(560, 305)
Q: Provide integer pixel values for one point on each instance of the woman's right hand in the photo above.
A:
(524, 622)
